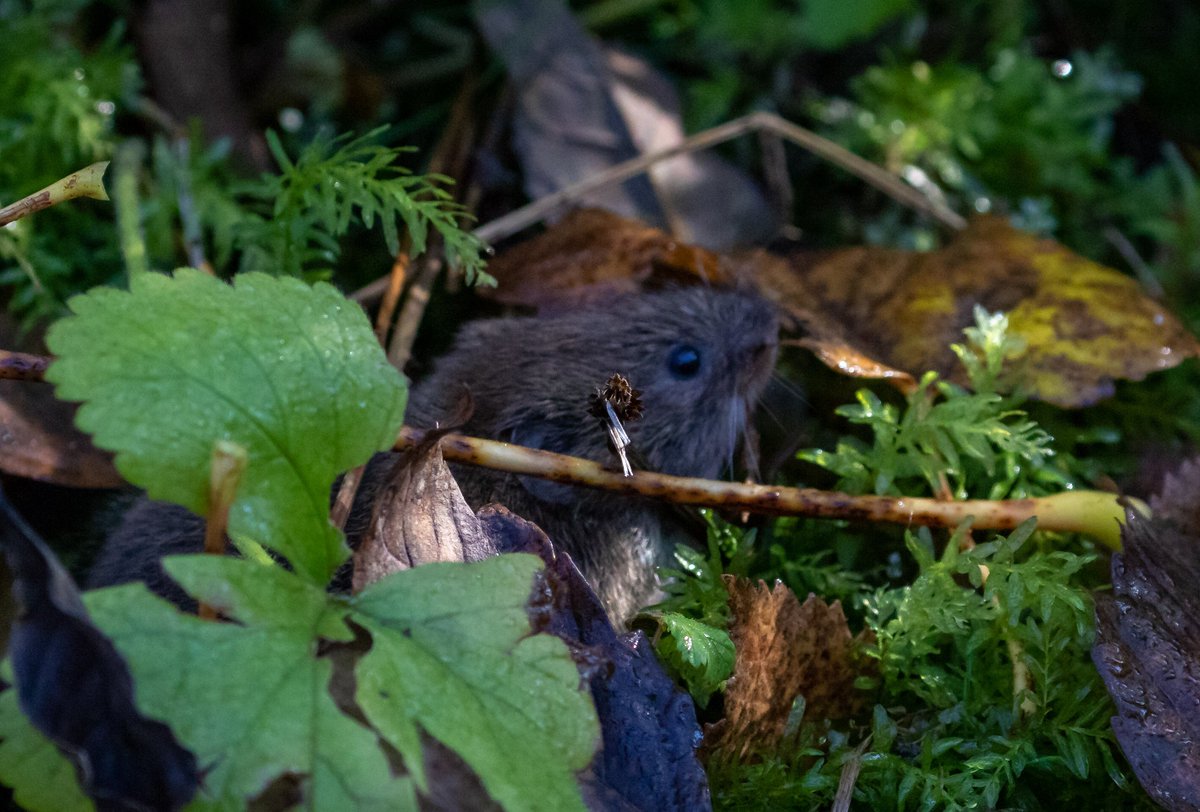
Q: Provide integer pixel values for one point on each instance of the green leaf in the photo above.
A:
(830, 24)
(291, 373)
(42, 778)
(452, 654)
(251, 700)
(703, 655)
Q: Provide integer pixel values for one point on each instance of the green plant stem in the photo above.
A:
(87, 182)
(125, 201)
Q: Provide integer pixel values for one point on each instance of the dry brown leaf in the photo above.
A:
(887, 313)
(593, 254)
(38, 438)
(785, 649)
(1086, 325)
(581, 108)
(852, 363)
(420, 516)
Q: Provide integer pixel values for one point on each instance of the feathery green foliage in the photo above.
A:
(293, 219)
(951, 728)
(971, 443)
(691, 639)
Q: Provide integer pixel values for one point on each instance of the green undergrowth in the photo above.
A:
(981, 693)
(67, 100)
(293, 378)
(950, 726)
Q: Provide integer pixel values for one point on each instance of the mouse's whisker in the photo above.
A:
(793, 389)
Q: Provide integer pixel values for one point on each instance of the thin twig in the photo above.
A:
(1130, 254)
(1020, 675)
(877, 176)
(1092, 512)
(1095, 513)
(21, 366)
(345, 497)
(87, 182)
(775, 171)
(848, 778)
(193, 233)
(391, 296)
(400, 348)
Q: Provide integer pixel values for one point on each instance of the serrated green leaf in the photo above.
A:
(452, 654)
(291, 373)
(252, 701)
(703, 654)
(42, 778)
(262, 595)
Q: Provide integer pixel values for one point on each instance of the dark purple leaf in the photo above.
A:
(1148, 653)
(648, 759)
(76, 689)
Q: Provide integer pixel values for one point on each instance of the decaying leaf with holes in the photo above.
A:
(785, 650)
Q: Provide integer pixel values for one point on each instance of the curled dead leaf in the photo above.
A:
(785, 649)
(581, 108)
(420, 516)
(852, 363)
(38, 440)
(592, 254)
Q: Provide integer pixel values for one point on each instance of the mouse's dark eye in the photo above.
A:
(684, 362)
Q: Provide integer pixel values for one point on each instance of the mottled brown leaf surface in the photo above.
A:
(1086, 325)
(420, 516)
(592, 254)
(1148, 645)
(785, 649)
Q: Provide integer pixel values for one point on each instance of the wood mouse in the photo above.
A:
(700, 357)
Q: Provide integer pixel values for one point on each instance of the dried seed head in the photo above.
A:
(618, 393)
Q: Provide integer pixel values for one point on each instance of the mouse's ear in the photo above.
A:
(547, 437)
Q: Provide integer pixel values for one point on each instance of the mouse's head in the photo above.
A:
(699, 356)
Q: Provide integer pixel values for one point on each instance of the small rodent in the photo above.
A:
(700, 357)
